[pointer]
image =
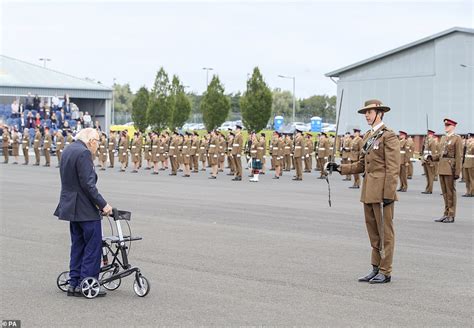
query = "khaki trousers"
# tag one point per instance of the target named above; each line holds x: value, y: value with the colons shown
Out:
x: 238, y: 165
x: 299, y: 167
x: 448, y: 187
x: 469, y: 178
x: 430, y: 174
x: 26, y: 155
x: 346, y: 161
x: 321, y: 162
x: 47, y: 156
x: 410, y: 169
x: 308, y: 165
x: 111, y: 158
x: 5, y: 154
x: 174, y: 164
x: 403, y: 177
x: 37, y: 155
x: 373, y: 222
x: 287, y: 162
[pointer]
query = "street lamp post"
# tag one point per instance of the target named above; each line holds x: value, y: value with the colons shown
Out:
x: 44, y: 60
x: 207, y: 69
x: 113, y: 102
x: 294, y: 97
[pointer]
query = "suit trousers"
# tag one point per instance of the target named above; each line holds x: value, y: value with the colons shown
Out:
x: 403, y: 176
x: 86, y: 250
x: 373, y: 221
x: 448, y: 188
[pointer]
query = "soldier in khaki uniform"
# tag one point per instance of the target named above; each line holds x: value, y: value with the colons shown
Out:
x: 410, y: 151
x: 202, y: 151
x: 271, y: 145
x: 356, y: 148
x: 163, y: 149
x: 102, y: 151
x: 323, y: 153
x: 147, y: 150
x: 36, y: 146
x: 450, y: 163
x: 186, y: 153
x: 278, y: 152
x: 429, y: 148
x: 194, y: 164
x: 112, y: 143
x: 47, y: 143
x: 15, y: 145
x: 298, y: 155
x: 135, y: 151
x: 468, y: 166
x: 222, y: 147
x: 404, y: 160
x: 380, y: 162
x: 123, y: 150
x: 287, y: 153
x: 230, y: 159
x: 69, y: 138
x: 25, y: 144
x: 436, y: 152
x: 154, y: 153
x: 59, y: 146
x: 173, y: 153
x: 308, y: 153
x: 237, y: 152
x: 5, y: 143
x: 346, y: 152
x: 213, y: 154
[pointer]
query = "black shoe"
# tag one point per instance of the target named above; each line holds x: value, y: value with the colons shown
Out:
x: 237, y: 179
x: 262, y: 173
x: 36, y: 164
x: 155, y: 173
x: 426, y: 192
x: 380, y: 279
x: 74, y: 291
x: 186, y: 176
x: 449, y: 219
x: 15, y: 163
x: 321, y: 177
x: 354, y: 187
x: 172, y: 174
x: 372, y: 274
x: 441, y: 219
x: 409, y: 178
x: 24, y: 164
x: 230, y: 174
x: 110, y: 167
x: 275, y: 177
x: 134, y: 171
x: 102, y: 168
x: 467, y: 195
x: 147, y: 168
x: 212, y: 177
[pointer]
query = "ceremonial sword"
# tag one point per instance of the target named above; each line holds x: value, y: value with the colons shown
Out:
x: 333, y: 156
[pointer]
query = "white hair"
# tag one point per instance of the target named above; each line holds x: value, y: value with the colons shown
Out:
x: 87, y: 134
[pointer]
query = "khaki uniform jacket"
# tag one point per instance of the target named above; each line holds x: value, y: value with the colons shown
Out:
x: 469, y: 157
x: 346, y: 148
x: 281, y: 149
x: 253, y: 149
x: 299, y: 147
x: 103, y: 150
x: 237, y: 145
x: 37, y: 141
x: 25, y: 143
x: 410, y: 148
x: 48, y: 140
x: 261, y: 150
x: 154, y: 146
x: 273, y: 148
x: 202, y: 149
x: 288, y: 145
x: 214, y: 146
x: 186, y: 150
x: 69, y: 139
x: 431, y: 148
x: 173, y: 148
x: 59, y: 143
x: 6, y: 139
x: 450, y: 155
x: 194, y: 147
x: 111, y: 143
x: 381, y: 166
x: 308, y: 148
x: 15, y: 143
x: 403, y: 152
x: 323, y: 148
x: 356, y: 147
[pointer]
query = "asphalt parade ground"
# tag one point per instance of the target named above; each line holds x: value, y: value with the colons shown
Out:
x: 225, y: 253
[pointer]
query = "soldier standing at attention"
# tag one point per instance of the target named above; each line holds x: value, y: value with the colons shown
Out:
x: 356, y: 148
x: 135, y: 151
x: 298, y: 155
x: 173, y: 153
x: 123, y: 150
x: 15, y: 145
x: 163, y: 148
x: 25, y: 142
x: 102, y: 151
x: 323, y: 153
x: 346, y: 152
x: 380, y: 163
x: 468, y: 166
x: 213, y: 154
x: 194, y: 152
x: 69, y: 138
x: 186, y: 155
x: 5, y: 143
x: 59, y: 146
x: 147, y: 151
x: 410, y: 151
x: 222, y: 146
x: 237, y: 152
x: 404, y: 160
x: 429, y: 148
x: 37, y: 145
x: 450, y: 162
x: 287, y: 153
x: 230, y: 159
x: 262, y: 150
x: 47, y: 142
x: 308, y: 153
x: 253, y: 144
x: 155, y: 155
x: 278, y: 152
x: 202, y: 151
x: 112, y: 143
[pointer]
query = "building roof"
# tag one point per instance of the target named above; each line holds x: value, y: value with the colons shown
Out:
x: 21, y: 74
x: 337, y: 72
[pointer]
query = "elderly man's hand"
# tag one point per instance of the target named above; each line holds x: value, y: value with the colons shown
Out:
x: 107, y: 209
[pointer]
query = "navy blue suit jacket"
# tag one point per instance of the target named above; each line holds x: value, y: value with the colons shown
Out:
x: 79, y: 200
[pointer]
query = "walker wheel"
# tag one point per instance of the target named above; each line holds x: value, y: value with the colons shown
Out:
x: 142, y: 287
x: 63, y: 281
x: 112, y: 285
x: 90, y: 287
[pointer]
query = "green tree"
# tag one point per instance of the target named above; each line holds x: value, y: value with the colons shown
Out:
x: 160, y: 104
x: 256, y: 102
x: 139, y: 109
x: 180, y: 104
x: 123, y: 98
x: 215, y: 105
x: 283, y: 104
x: 319, y: 105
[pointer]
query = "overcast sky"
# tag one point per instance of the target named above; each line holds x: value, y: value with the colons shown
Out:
x: 129, y: 40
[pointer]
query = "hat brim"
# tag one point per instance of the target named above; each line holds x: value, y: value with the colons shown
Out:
x: 380, y: 108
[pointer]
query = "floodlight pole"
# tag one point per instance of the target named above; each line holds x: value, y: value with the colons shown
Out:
x: 294, y: 97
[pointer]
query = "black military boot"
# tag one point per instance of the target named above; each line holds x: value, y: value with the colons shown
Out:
x: 441, y: 219
x: 372, y: 274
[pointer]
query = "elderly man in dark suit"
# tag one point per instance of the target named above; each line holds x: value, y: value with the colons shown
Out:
x: 80, y: 203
